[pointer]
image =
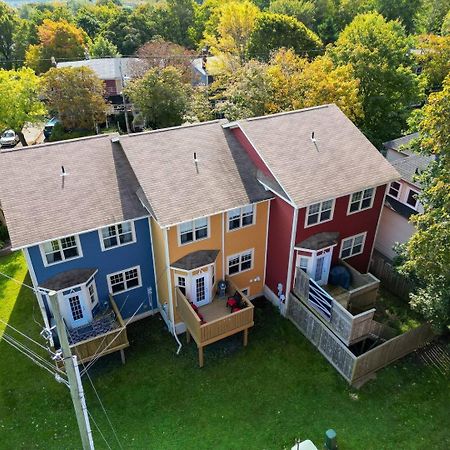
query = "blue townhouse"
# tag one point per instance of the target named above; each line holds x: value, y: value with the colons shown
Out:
x: 73, y: 208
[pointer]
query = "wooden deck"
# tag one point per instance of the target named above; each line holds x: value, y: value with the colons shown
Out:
x: 220, y: 322
x: 104, y: 343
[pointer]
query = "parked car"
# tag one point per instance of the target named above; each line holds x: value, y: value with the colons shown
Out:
x: 49, y: 127
x: 9, y: 139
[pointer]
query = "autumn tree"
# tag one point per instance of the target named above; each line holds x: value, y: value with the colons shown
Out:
x: 60, y: 40
x: 19, y: 100
x: 302, y: 10
x: 161, y: 96
x: 378, y: 52
x: 76, y: 96
x: 273, y: 31
x: 427, y: 252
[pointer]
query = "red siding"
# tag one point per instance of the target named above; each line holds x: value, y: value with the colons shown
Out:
x: 259, y: 163
x: 110, y: 86
x: 348, y: 226
x: 279, y: 242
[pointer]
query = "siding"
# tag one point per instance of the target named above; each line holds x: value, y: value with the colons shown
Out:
x: 161, y: 264
x: 114, y: 260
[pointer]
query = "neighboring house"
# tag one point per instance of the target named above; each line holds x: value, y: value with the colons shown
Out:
x: 2, y: 215
x: 72, y: 208
x: 209, y: 213
x: 329, y: 182
x: 401, y: 200
x: 200, y: 73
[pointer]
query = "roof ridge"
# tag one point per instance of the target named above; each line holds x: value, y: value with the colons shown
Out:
x: 284, y: 113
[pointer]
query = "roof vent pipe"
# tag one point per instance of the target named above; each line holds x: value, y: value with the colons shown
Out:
x: 63, y: 171
x: 196, y: 161
x: 313, y: 139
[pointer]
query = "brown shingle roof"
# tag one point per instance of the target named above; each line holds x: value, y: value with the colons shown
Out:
x: 163, y: 161
x: 39, y: 204
x: 341, y: 161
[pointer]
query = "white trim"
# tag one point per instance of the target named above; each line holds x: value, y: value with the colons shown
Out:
x: 223, y: 245
x: 287, y: 288
x: 268, y: 188
x: 122, y: 272
x: 169, y: 283
x: 417, y: 199
x: 89, y: 283
x: 149, y: 220
x: 78, y: 233
x: 142, y: 315
x: 133, y: 235
x: 44, y: 257
x: 271, y: 296
x: 267, y: 242
x: 265, y: 163
x: 239, y: 255
x: 240, y: 227
x: 364, y: 234
x: 372, y: 200
x: 398, y: 192
x: 246, y: 289
x: 192, y: 270
x: 333, y: 204
x: 208, y: 231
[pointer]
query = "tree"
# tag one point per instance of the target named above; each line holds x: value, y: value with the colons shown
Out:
x: 161, y: 96
x: 302, y: 10
x: 431, y: 15
x: 445, y: 29
x: 405, y: 11
x: 434, y: 58
x: 235, y: 23
x: 60, y: 40
x: 378, y: 53
x: 426, y: 253
x: 273, y: 31
x: 19, y: 100
x: 8, y: 25
x: 76, y: 96
x: 102, y: 48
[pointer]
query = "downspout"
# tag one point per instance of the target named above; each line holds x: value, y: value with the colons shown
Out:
x: 169, y: 284
x: 291, y: 258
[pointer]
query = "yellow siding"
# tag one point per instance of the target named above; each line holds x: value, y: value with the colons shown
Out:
x: 160, y: 261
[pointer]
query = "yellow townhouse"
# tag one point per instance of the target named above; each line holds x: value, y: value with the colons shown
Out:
x: 209, y: 223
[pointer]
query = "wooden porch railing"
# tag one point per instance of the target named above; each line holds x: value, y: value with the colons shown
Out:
x: 218, y: 329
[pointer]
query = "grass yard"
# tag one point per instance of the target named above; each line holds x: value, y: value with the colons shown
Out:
x: 263, y: 397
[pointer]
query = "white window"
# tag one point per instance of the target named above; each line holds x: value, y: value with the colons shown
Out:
x: 303, y: 263
x: 117, y: 235
x: 75, y: 307
x: 92, y: 290
x: 361, y: 200
x: 394, y: 189
x: 412, y: 200
x: 240, y: 263
x: 125, y: 280
x: 352, y: 246
x: 181, y: 283
x: 241, y: 217
x: 193, y: 231
x: 319, y: 212
x: 61, y: 250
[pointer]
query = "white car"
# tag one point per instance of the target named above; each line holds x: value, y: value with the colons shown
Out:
x: 9, y: 139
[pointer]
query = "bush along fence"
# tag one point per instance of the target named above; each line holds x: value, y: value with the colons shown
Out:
x: 357, y: 360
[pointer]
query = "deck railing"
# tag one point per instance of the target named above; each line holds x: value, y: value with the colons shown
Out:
x: 105, y: 343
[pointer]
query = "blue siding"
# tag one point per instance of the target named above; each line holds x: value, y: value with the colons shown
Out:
x: 113, y: 260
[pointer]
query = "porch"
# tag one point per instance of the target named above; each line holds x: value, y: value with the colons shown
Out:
x: 218, y: 321
x: 106, y: 334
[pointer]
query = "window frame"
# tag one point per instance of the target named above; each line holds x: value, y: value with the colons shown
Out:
x: 363, y: 244
x: 208, y: 229
x: 333, y: 204
x: 240, y: 255
x: 374, y: 192
x: 116, y: 225
x: 417, y: 200
x: 95, y: 293
x: 241, y: 216
x: 122, y: 272
x: 64, y: 259
x: 391, y: 187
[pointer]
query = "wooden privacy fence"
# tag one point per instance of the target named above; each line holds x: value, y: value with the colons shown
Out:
x: 395, y: 282
x: 355, y: 369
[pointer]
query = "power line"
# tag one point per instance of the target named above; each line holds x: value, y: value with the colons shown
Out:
x: 39, y: 290
x: 98, y: 429
x: 24, y: 335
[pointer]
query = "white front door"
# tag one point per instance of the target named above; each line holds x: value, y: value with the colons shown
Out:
x: 322, y: 268
x: 200, y: 289
x: 77, y: 313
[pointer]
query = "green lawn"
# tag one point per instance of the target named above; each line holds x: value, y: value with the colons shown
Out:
x: 263, y: 397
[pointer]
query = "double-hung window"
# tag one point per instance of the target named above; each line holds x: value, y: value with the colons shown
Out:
x: 361, y: 200
x: 241, y: 262
x: 412, y: 200
x: 92, y: 290
x: 60, y: 250
x: 193, y: 231
x: 319, y: 212
x: 117, y: 235
x: 394, y: 189
x: 241, y: 217
x: 124, y: 280
x: 352, y: 246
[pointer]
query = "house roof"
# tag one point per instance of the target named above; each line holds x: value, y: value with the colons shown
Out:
x: 68, y: 279
x: 319, y: 240
x: 396, y: 144
x: 179, y: 190
x: 108, y: 68
x: 40, y: 204
x: 196, y: 259
x: 411, y: 165
x: 341, y: 161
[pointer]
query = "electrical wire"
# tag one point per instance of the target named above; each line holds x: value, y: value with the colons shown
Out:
x: 98, y: 429
x: 40, y: 290
x: 26, y: 336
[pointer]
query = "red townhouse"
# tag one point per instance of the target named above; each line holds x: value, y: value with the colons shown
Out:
x: 329, y: 183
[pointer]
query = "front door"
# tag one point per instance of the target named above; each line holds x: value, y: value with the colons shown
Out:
x: 77, y: 313
x: 322, y: 269
x: 200, y: 289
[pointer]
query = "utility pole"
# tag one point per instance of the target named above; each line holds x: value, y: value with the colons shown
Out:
x: 73, y: 376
